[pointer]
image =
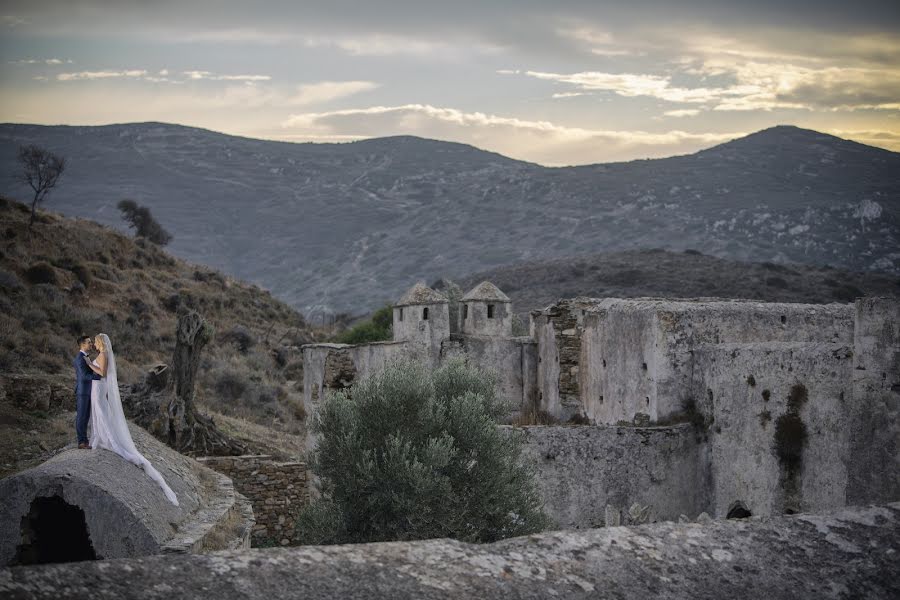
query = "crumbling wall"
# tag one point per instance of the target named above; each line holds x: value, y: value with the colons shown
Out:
x: 277, y: 491
x: 587, y: 474
x: 774, y: 416
x: 557, y: 330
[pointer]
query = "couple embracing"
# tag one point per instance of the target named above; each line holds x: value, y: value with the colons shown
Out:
x: 97, y: 399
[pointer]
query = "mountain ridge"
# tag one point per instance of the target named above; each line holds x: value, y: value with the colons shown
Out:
x: 344, y: 227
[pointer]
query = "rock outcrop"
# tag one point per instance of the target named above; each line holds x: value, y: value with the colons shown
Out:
x: 847, y: 554
x: 85, y: 504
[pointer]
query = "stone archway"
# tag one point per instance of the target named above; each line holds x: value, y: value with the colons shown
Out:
x: 738, y: 510
x: 53, y: 531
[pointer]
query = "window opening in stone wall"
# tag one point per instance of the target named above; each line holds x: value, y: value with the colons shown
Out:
x: 53, y: 531
x: 400, y: 318
x: 465, y: 311
x: 783, y: 319
x: 425, y: 314
x: 490, y: 311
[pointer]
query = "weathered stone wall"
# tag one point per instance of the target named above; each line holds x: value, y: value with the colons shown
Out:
x: 847, y: 554
x: 874, y: 416
x: 636, y: 356
x: 775, y: 417
x: 277, y: 491
x: 618, y: 360
x: 587, y: 474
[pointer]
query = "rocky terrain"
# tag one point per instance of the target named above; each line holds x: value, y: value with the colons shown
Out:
x: 667, y: 274
x: 346, y: 227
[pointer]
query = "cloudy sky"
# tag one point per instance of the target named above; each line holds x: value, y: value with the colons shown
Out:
x: 555, y: 82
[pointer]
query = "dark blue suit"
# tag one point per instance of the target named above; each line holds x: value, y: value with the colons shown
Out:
x: 83, y: 378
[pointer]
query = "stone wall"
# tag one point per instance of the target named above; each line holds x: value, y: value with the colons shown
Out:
x: 775, y: 416
x: 588, y: 474
x: 874, y: 417
x: 277, y: 491
x: 847, y: 554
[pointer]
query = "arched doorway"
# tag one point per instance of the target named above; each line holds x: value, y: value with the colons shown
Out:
x: 53, y: 531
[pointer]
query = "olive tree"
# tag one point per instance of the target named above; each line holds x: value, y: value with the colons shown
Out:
x: 41, y: 170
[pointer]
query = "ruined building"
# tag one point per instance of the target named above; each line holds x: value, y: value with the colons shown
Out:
x: 729, y: 407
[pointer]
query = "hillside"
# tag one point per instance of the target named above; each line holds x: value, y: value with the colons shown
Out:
x: 69, y: 277
x: 688, y: 274
x: 346, y: 227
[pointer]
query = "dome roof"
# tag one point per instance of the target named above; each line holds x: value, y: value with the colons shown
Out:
x: 421, y: 294
x: 486, y: 292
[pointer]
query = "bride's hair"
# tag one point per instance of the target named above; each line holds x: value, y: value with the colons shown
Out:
x: 100, y: 341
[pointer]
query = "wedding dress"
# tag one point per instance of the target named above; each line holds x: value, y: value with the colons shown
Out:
x: 108, y: 427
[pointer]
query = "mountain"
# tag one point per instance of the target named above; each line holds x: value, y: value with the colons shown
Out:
x: 665, y: 274
x: 346, y: 227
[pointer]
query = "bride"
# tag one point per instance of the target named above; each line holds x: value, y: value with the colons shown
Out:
x: 108, y: 427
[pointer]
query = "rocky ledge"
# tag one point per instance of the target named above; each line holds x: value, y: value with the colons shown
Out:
x: 851, y: 553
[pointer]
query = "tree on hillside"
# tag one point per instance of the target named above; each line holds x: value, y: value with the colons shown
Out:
x: 376, y: 329
x: 41, y: 170
x: 410, y: 453
x: 143, y: 223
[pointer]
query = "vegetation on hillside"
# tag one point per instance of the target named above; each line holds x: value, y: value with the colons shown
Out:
x: 70, y: 277
x: 377, y: 328
x: 687, y: 274
x: 410, y: 453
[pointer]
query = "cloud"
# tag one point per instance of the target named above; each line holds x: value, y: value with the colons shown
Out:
x: 38, y: 61
x: 326, y: 91
x: 89, y: 75
x: 198, y: 75
x: 682, y: 112
x: 538, y: 141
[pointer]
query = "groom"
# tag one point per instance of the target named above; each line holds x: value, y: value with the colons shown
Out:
x: 83, y: 378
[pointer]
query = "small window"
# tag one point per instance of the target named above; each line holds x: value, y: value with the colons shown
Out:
x: 465, y: 311
x: 490, y: 311
x: 425, y: 314
x: 400, y: 318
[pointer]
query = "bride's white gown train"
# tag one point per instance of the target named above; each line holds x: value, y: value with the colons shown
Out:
x: 109, y: 429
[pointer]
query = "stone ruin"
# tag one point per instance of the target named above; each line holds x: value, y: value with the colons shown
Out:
x: 85, y: 505
x: 724, y: 407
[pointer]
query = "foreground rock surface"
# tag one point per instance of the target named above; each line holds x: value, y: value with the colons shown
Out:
x: 852, y: 553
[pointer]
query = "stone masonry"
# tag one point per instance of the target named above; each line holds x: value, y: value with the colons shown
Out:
x: 277, y: 491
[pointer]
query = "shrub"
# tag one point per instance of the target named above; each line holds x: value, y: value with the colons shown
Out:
x: 230, y: 386
x: 376, y: 329
x: 416, y: 454
x: 239, y: 336
x: 82, y: 273
x: 9, y: 282
x: 41, y: 273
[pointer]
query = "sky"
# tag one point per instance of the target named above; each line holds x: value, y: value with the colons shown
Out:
x: 554, y: 82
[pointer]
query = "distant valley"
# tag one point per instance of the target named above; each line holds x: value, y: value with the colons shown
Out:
x: 347, y: 227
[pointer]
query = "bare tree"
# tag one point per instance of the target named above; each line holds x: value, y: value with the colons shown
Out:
x: 41, y: 170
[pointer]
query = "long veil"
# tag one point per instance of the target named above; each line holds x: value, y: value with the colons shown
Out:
x: 119, y: 428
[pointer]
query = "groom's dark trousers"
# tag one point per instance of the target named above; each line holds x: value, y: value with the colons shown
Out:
x: 83, y: 378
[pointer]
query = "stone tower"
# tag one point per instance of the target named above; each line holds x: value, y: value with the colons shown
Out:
x: 422, y: 318
x: 486, y: 310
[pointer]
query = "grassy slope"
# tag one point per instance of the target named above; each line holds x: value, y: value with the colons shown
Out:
x: 251, y: 371
x: 687, y: 274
